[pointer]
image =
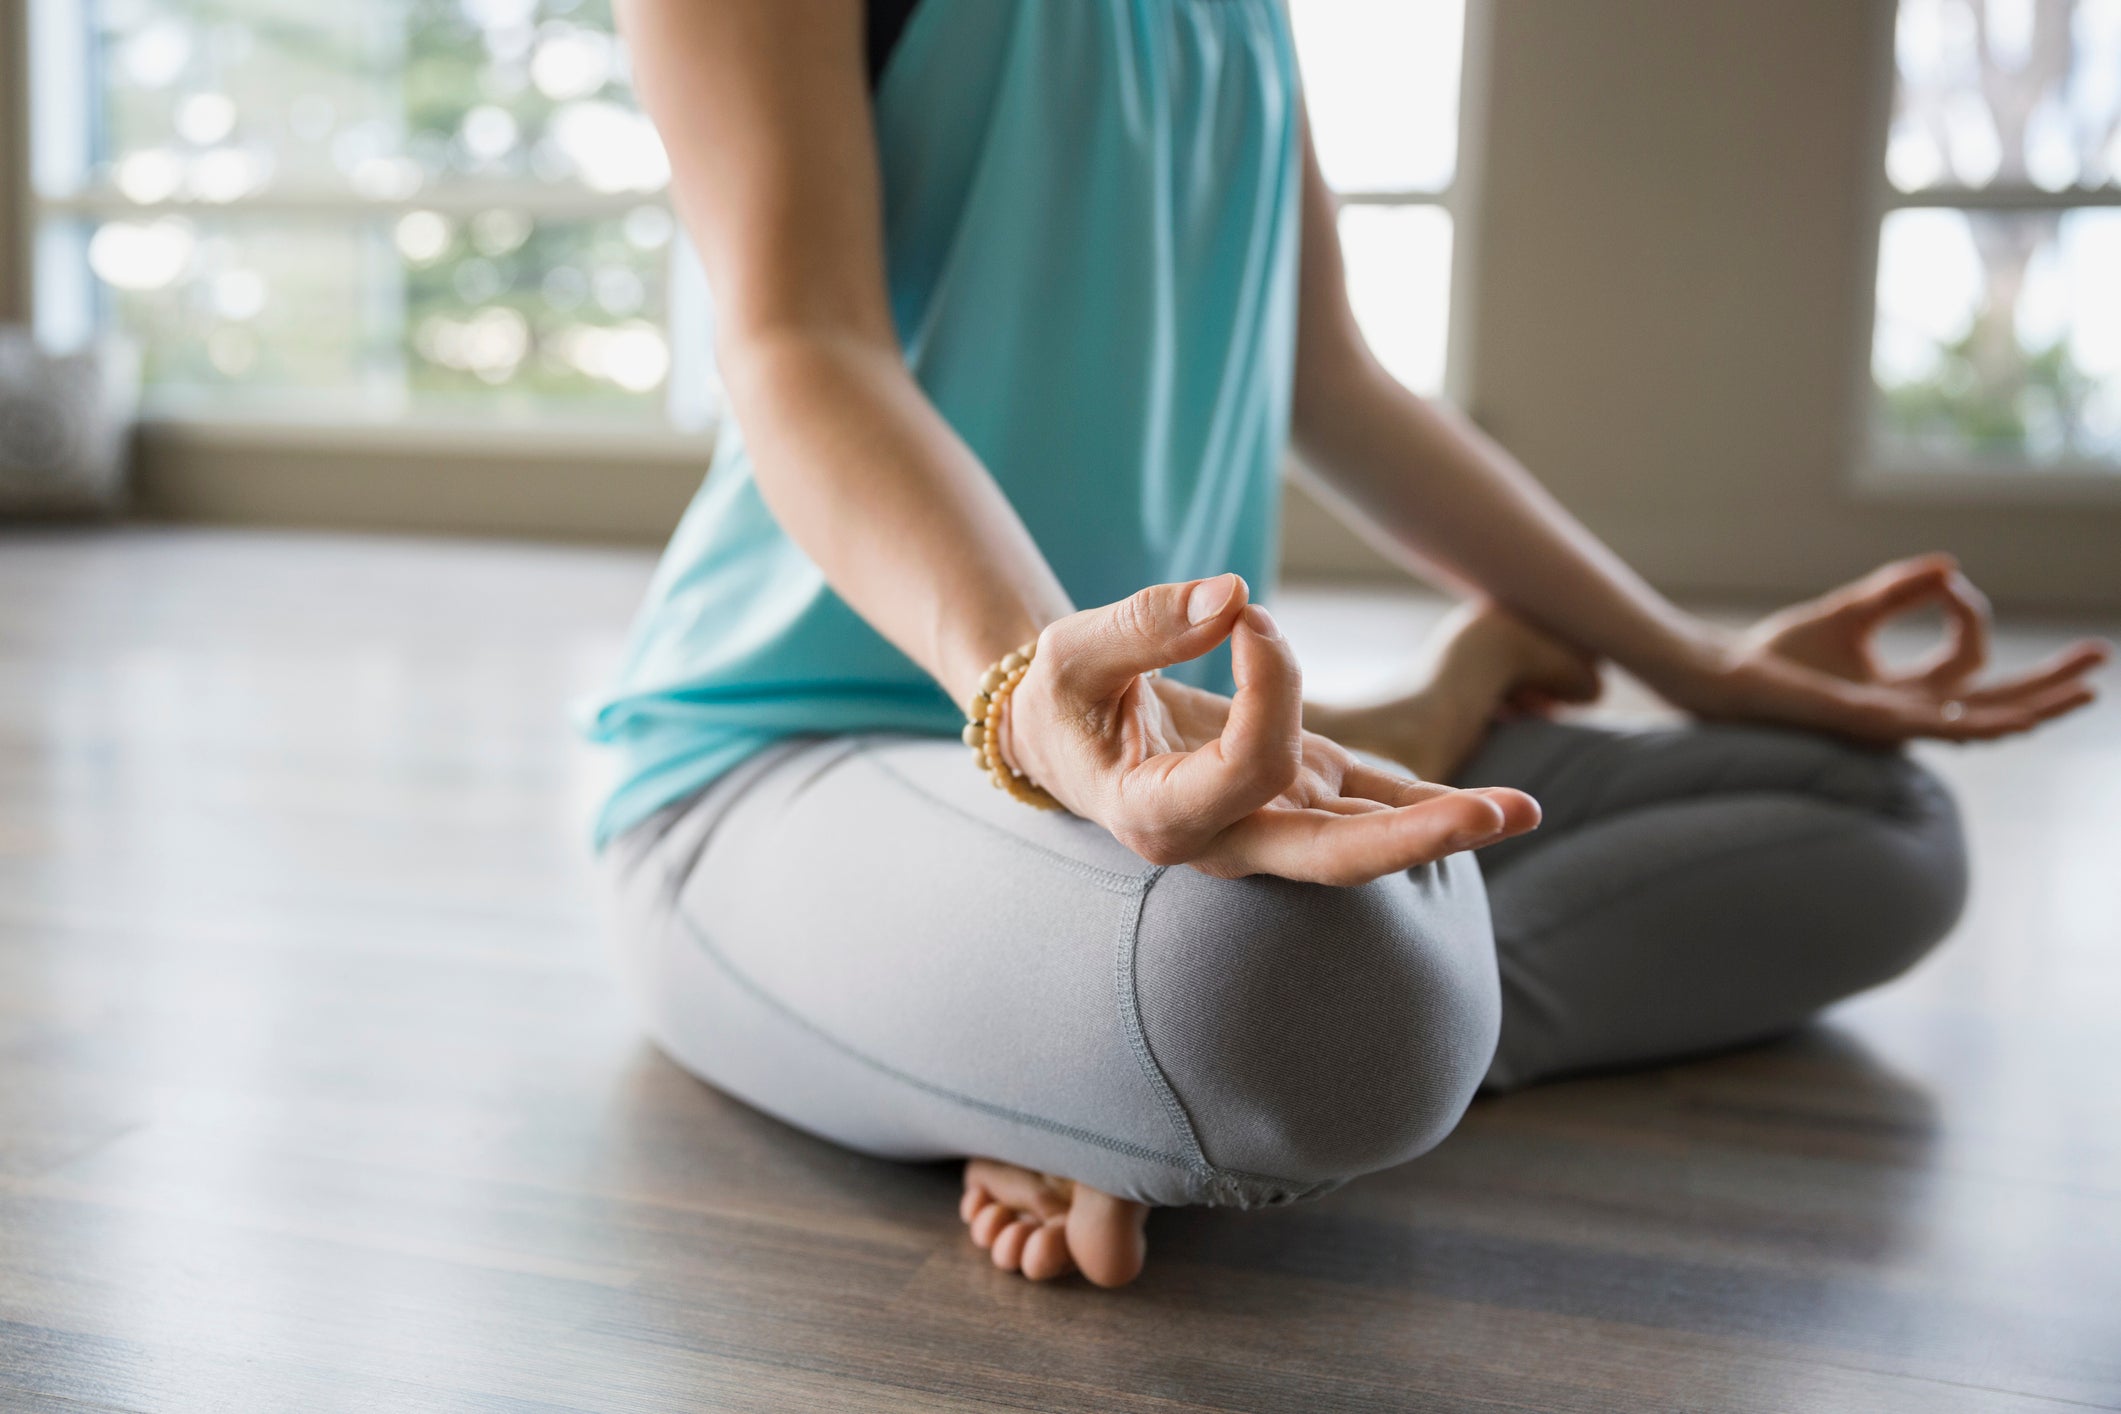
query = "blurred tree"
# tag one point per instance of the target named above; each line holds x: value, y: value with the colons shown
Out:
x: 1988, y: 389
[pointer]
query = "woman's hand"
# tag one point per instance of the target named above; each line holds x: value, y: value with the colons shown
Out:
x: 1816, y: 665
x: 1230, y: 785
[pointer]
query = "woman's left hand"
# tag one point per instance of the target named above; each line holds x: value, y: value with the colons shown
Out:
x: 1817, y: 665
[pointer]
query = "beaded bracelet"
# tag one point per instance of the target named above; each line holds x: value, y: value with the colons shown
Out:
x: 995, y: 685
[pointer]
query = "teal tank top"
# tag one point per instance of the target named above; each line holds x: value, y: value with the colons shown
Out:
x: 1091, y: 212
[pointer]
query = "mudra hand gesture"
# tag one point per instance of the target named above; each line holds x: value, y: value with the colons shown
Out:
x: 1231, y: 785
x: 1817, y: 664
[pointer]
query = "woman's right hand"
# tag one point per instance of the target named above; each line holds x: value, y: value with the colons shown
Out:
x: 1231, y: 785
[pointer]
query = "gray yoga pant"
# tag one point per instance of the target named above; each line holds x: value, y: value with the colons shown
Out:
x: 861, y: 936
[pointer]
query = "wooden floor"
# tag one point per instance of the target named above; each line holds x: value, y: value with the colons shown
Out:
x: 314, y: 1094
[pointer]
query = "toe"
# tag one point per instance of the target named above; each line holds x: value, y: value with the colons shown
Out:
x: 1008, y: 1249
x: 989, y: 1223
x: 1046, y: 1252
x: 1106, y: 1236
x: 1047, y: 1227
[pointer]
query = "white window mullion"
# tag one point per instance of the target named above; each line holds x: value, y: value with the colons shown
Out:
x: 60, y: 143
x: 64, y: 307
x: 2005, y: 198
x: 695, y: 392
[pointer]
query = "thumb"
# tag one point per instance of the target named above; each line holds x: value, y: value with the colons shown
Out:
x: 1099, y: 651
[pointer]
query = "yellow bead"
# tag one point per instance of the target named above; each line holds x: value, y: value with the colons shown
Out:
x: 985, y: 710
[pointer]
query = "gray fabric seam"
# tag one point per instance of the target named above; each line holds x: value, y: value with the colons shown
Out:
x: 1166, y: 1092
x: 1053, y: 1126
x: 1125, y: 987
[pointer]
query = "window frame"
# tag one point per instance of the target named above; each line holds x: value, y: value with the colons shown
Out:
x: 1874, y: 473
x: 17, y: 279
x: 1457, y: 198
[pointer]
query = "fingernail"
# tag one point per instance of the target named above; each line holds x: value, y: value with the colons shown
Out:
x: 1210, y: 597
x: 1261, y: 622
x: 1538, y: 811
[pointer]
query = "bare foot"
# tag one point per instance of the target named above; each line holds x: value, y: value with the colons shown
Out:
x: 1533, y: 670
x: 1046, y: 1227
x: 1483, y: 662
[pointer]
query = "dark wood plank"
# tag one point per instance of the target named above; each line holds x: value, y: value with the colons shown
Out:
x: 314, y: 1093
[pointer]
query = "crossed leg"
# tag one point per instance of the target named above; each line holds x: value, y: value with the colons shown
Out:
x: 1690, y: 889
x: 860, y: 937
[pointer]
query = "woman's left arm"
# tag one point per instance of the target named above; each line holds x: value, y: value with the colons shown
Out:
x: 1445, y: 500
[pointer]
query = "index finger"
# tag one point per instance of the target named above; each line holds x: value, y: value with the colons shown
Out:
x: 1965, y: 650
x: 1255, y: 759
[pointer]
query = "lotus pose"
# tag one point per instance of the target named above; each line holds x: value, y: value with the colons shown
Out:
x: 1019, y: 307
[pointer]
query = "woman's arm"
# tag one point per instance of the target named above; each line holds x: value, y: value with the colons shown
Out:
x: 763, y: 106
x: 764, y: 110
x: 1440, y: 496
x: 1434, y: 491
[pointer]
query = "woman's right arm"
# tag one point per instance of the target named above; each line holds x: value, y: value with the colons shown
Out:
x: 763, y: 107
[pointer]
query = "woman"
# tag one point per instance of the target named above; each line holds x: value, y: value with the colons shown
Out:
x: 1019, y: 307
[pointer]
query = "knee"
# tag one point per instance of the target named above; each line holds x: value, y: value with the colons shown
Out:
x: 1911, y: 863
x: 1310, y: 1033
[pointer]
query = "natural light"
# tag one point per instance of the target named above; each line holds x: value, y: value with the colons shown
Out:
x: 453, y: 208
x: 1998, y: 340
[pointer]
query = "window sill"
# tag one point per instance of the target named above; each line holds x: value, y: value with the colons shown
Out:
x: 429, y: 436
x: 565, y: 481
x: 1970, y: 481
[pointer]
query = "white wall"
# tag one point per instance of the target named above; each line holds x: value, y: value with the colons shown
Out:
x: 1671, y: 240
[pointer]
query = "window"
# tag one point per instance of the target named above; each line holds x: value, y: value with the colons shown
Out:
x: 1381, y: 83
x: 1997, y: 342
x: 453, y: 210
x: 390, y: 208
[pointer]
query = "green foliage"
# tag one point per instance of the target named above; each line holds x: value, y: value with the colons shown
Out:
x: 1957, y: 409
x: 346, y: 312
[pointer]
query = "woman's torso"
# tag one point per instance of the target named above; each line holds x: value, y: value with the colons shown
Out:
x: 1091, y: 216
